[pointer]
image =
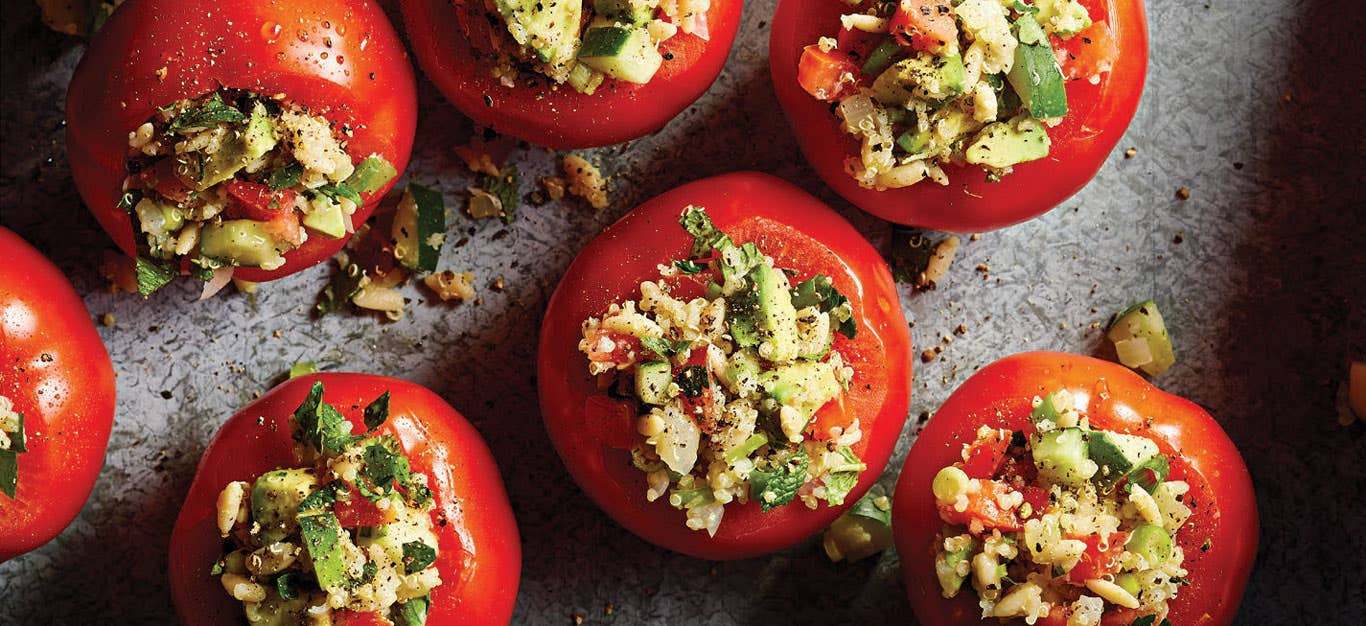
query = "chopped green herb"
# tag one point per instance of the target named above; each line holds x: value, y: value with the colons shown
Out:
x: 286, y: 177
x: 693, y: 380
x: 820, y: 292
x: 207, y: 115
x: 320, y: 499
x: 153, y: 275
x: 417, y: 556
x: 413, y: 612
x: 778, y: 485
x: 377, y: 412
x: 911, y: 251
x: 371, y: 174
x: 345, y: 284
x: 320, y: 425
x: 506, y: 186
x: 385, y: 466
x: 705, y: 236
x: 1149, y: 474
x: 367, y: 573
x: 874, y: 505
x: 843, y: 478
x: 303, y: 368
x: 690, y: 267
x: 340, y: 190
x: 663, y: 347
x: 287, y: 584
x: 431, y: 226
x: 9, y: 472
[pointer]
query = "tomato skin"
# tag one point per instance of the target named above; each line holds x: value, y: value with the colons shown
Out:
x: 1114, y: 398
x: 1098, y: 117
x: 797, y: 231
x: 562, y: 118
x: 56, y: 371
x: 479, y: 550
x: 199, y: 47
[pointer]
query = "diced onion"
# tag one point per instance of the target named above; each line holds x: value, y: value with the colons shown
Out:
x: 221, y: 277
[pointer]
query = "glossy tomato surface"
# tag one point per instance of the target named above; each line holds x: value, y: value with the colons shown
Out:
x: 556, y: 116
x: 56, y: 371
x: 341, y: 59
x: 479, y: 551
x: 1114, y: 398
x: 1097, y: 117
x: 799, y: 232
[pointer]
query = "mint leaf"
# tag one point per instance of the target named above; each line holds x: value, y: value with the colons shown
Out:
x: 690, y: 267
x: 778, y: 485
x: 320, y: 425
x: 207, y: 115
x: 286, y: 177
x: 842, y: 479
x: 693, y: 380
x: 417, y: 556
x: 153, y: 275
x: 874, y: 505
x: 705, y: 236
x: 377, y: 412
x: 507, y: 187
x: 819, y: 292
x: 414, y: 611
x: 663, y: 347
x: 385, y: 467
x: 321, y: 499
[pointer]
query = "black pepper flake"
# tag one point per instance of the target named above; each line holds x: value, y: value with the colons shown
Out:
x: 488, y: 100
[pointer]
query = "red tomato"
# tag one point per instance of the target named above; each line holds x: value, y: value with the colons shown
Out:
x: 826, y: 75
x: 56, y: 372
x: 341, y: 59
x: 556, y: 116
x: 256, y: 201
x: 352, y: 618
x: 982, y: 513
x: 799, y: 232
x: 1089, y: 53
x: 986, y: 455
x: 612, y: 421
x: 1219, y: 539
x: 356, y: 511
x: 479, y: 551
x: 924, y: 24
x: 1097, y: 118
x: 1098, y: 560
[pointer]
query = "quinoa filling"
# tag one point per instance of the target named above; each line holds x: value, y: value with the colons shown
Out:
x: 236, y: 179
x: 580, y: 43
x: 928, y: 83
x: 12, y: 443
x: 349, y: 531
x: 1062, y: 521
x: 737, y: 393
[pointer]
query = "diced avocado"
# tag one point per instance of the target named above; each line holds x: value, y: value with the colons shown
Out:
x: 1061, y: 457
x: 276, y: 611
x: 924, y: 77
x: 637, y: 12
x: 547, y: 28
x: 1116, y: 455
x: 882, y: 57
x: 330, y: 220
x: 741, y: 373
x: 855, y: 537
x: 1036, y: 77
x: 1063, y: 18
x: 914, y: 141
x: 1140, y: 338
x: 1128, y: 581
x: 776, y: 319
x: 805, y: 385
x: 419, y: 228
x: 275, y: 499
x: 652, y: 382
x: 946, y: 567
x: 240, y: 242
x: 1002, y: 144
x: 326, y: 543
x: 624, y: 53
x: 239, y: 149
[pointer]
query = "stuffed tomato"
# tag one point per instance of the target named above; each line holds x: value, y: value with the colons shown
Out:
x: 726, y: 369
x: 56, y: 399
x: 346, y: 499
x: 1061, y: 489
x: 963, y: 116
x: 242, y: 139
x: 576, y: 73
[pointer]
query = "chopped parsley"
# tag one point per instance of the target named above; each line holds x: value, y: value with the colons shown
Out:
x: 417, y: 556
x: 213, y: 112
x: 665, y: 348
x: 377, y: 412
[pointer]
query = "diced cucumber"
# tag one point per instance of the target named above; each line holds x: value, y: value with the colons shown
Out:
x: 584, y: 80
x: 1151, y: 542
x: 855, y: 537
x: 755, y: 441
x: 1035, y: 75
x: 371, y: 174
x: 1140, y: 338
x: 419, y: 228
x: 1061, y: 457
x: 241, y: 242
x: 1117, y: 455
x: 1051, y: 407
x: 1003, y: 144
x: 652, y: 382
x: 624, y: 53
x: 329, y: 220
x: 275, y: 498
x: 625, y: 11
x: 946, y: 568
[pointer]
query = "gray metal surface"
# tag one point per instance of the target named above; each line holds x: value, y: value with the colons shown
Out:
x: 1254, y: 106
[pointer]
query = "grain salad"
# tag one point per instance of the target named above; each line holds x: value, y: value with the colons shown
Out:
x: 728, y: 362
x: 348, y: 531
x: 238, y: 179
x: 1062, y: 520
x: 579, y: 43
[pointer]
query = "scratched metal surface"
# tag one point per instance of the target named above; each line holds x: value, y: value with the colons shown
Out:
x: 1255, y: 106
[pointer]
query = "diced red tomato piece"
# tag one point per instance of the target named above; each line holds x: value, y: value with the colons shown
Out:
x: 162, y: 178
x: 1098, y: 561
x: 924, y: 25
x: 856, y: 43
x: 284, y: 227
x: 1089, y: 53
x: 614, y: 419
x: 986, y: 455
x: 619, y: 348
x: 1037, y: 499
x: 356, y: 510
x: 355, y: 618
x: 983, y: 512
x: 826, y: 75
x: 834, y: 413
x: 255, y: 201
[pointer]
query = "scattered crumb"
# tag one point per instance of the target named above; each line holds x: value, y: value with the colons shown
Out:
x: 975, y: 237
x: 554, y: 187
x: 609, y: 609
x: 498, y: 284
x: 983, y: 267
x: 107, y: 319
x: 578, y: 619
x: 450, y: 285
x: 161, y: 73
x: 1129, y: 154
x: 278, y: 334
x: 927, y: 356
x: 1183, y: 193
x: 941, y: 258
x: 946, y: 339
x: 584, y: 180
x: 960, y: 330
x: 1179, y: 237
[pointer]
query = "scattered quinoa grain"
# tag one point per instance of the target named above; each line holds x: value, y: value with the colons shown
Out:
x: 107, y: 319
x: 1129, y: 154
